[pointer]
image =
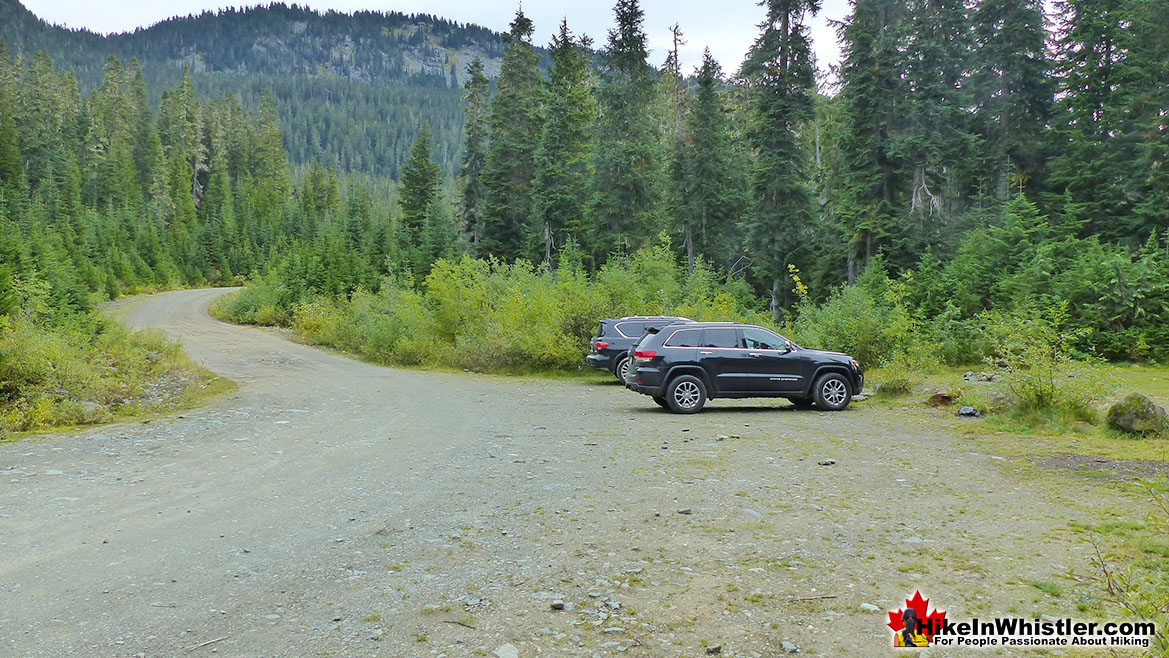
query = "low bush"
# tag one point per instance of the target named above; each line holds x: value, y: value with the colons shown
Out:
x: 1032, y: 349
x: 83, y: 371
x: 264, y: 301
x: 490, y: 316
x: 867, y: 320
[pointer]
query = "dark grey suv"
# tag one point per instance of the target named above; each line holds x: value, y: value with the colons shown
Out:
x: 609, y: 349
x: 682, y: 366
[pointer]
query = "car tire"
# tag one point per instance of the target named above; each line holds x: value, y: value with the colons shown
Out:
x: 661, y: 402
x: 621, y: 369
x: 685, y: 394
x: 832, y: 392
x: 802, y: 403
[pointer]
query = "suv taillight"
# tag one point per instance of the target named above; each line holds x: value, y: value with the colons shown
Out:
x: 600, y: 345
x: 644, y: 354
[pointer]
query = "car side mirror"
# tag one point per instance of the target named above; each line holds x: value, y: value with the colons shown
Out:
x: 788, y: 347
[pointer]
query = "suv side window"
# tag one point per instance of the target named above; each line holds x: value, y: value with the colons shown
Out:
x: 759, y: 339
x: 721, y: 338
x: 685, y: 338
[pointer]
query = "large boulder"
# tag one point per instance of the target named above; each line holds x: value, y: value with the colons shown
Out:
x: 1137, y: 414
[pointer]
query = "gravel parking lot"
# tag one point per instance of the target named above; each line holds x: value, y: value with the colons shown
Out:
x: 335, y: 508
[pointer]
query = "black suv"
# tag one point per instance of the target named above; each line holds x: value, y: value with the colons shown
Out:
x: 683, y: 365
x: 610, y: 347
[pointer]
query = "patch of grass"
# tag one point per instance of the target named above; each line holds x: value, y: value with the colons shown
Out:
x: 1050, y: 589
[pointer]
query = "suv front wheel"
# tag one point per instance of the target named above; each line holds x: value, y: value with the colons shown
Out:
x: 832, y: 392
x: 685, y: 394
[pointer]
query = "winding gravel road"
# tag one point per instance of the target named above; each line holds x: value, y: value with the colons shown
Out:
x: 335, y: 508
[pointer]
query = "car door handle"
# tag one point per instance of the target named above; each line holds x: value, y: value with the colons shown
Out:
x: 755, y: 354
x: 706, y: 352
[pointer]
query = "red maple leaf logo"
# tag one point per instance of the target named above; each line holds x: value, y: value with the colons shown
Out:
x: 931, y: 623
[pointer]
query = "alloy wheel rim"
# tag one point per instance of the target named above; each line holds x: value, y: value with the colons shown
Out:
x: 686, y: 394
x: 623, y: 369
x: 834, y: 392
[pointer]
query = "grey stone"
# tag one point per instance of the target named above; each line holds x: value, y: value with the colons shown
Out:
x: 1137, y: 414
x: 716, y: 649
x: 827, y: 462
x: 507, y: 651
x: 558, y: 604
x: 685, y: 510
x: 969, y: 412
x: 789, y: 647
x: 869, y: 607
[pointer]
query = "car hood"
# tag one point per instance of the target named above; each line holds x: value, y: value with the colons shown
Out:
x: 834, y: 356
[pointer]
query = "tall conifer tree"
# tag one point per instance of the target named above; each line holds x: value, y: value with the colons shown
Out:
x: 514, y: 136
x: 712, y: 194
x: 561, y: 189
x: 779, y: 70
x: 475, y: 151
x: 871, y: 92
x: 626, y: 154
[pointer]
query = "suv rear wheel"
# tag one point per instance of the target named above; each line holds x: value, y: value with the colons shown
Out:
x: 686, y: 394
x: 831, y: 392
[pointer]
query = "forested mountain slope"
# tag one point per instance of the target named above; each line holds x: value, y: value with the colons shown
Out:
x: 350, y: 89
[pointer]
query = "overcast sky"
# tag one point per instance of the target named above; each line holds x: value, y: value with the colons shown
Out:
x: 728, y: 26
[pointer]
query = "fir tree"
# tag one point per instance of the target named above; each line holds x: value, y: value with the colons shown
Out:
x: 515, y: 133
x: 626, y: 157
x: 937, y: 137
x: 712, y: 199
x: 871, y: 92
x: 420, y: 181
x: 1013, y: 90
x: 561, y: 189
x: 779, y: 70
x: 475, y: 152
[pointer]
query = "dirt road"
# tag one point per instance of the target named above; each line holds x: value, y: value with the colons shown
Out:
x: 334, y: 508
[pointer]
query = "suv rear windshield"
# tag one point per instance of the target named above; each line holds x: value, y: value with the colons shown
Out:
x: 631, y: 329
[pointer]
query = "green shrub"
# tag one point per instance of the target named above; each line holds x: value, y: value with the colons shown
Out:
x: 264, y: 301
x: 1032, y: 351
x: 491, y: 316
x: 83, y: 370
x: 866, y: 320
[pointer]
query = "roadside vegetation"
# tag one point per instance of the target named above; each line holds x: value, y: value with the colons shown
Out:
x: 88, y: 369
